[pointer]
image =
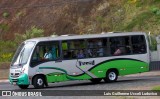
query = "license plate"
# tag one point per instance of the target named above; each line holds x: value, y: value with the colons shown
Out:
x: 14, y: 83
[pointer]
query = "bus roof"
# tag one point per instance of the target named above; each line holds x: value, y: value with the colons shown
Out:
x: 103, y: 34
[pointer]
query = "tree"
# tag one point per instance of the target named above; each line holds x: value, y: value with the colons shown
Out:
x: 31, y: 33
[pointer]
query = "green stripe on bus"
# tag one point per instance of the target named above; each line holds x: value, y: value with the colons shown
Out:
x: 124, y: 67
x: 55, y: 77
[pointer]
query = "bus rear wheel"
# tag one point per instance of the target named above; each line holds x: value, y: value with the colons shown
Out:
x: 111, y: 76
x: 38, y: 82
x: 23, y: 86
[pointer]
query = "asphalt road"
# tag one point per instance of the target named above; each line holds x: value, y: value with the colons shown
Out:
x: 123, y: 83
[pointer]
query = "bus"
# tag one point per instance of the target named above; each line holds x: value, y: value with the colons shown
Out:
x: 93, y: 57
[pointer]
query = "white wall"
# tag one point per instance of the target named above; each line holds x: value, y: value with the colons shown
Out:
x: 158, y: 47
x: 154, y: 56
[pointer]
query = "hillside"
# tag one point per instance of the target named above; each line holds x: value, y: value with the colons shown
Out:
x: 54, y: 16
x: 78, y: 16
x: 48, y: 17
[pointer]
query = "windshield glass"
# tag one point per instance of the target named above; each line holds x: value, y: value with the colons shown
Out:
x: 22, y: 54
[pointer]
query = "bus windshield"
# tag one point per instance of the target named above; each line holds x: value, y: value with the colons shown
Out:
x: 22, y: 54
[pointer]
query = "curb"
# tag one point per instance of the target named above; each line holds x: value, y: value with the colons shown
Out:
x: 4, y: 81
x: 151, y: 73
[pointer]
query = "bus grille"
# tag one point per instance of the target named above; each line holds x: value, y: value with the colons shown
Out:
x: 15, y: 80
x: 15, y: 75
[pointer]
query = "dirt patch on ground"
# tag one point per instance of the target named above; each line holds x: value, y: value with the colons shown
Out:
x: 4, y: 65
x: 4, y: 70
x: 4, y: 73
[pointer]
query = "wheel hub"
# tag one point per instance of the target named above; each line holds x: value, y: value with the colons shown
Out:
x: 112, y: 76
x: 39, y: 82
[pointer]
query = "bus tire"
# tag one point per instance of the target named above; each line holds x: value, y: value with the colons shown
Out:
x: 96, y: 80
x: 38, y: 82
x: 23, y: 86
x: 111, y: 76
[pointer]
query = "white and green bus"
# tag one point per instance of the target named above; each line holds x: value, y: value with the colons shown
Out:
x: 93, y: 57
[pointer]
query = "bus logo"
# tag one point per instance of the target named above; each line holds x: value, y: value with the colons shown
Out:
x: 86, y: 63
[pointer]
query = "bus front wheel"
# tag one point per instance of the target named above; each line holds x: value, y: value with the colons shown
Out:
x: 23, y: 86
x: 111, y: 76
x: 38, y: 82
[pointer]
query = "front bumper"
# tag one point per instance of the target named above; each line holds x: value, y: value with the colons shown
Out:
x: 21, y: 80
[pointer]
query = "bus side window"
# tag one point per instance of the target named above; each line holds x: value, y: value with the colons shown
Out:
x: 36, y: 55
x: 65, y: 54
x: 97, y: 47
x: 54, y: 52
x: 45, y: 51
x: 74, y: 53
x: 100, y: 51
x: 80, y: 54
x: 65, y: 50
x: 120, y: 45
x: 70, y: 48
x: 138, y: 44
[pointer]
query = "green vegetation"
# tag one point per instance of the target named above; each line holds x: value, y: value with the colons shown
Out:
x: 100, y: 22
x: 4, y: 27
x: 5, y: 14
x: 156, y: 88
x: 18, y: 14
x: 8, y: 48
x: 31, y: 33
x: 112, y: 15
x: 122, y: 15
x: 138, y: 21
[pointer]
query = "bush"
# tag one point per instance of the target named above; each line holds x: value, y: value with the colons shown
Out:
x: 6, y: 57
x: 5, y: 14
x: 7, y: 50
x: 4, y: 27
x: 18, y: 14
x: 138, y: 21
x: 155, y: 10
x: 100, y: 23
x: 31, y: 33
